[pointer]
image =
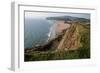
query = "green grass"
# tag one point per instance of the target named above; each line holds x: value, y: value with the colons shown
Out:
x: 81, y: 53
x: 59, y: 55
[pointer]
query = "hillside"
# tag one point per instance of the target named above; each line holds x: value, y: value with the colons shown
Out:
x: 73, y: 38
x: 73, y: 43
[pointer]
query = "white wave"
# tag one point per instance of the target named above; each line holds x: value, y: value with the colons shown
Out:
x: 52, y: 31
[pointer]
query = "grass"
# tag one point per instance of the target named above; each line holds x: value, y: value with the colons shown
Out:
x: 59, y: 55
x: 82, y: 52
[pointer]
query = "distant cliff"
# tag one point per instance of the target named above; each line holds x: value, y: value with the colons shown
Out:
x: 69, y: 18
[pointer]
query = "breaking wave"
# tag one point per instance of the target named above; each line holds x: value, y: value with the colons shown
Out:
x: 52, y: 32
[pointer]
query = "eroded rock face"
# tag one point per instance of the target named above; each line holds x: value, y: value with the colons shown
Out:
x: 57, y: 28
x: 69, y: 39
x: 61, y: 25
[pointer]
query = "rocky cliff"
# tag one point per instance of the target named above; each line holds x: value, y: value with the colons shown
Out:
x: 73, y: 43
x: 75, y: 37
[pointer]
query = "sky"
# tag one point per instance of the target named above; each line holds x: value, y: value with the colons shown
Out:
x: 49, y: 14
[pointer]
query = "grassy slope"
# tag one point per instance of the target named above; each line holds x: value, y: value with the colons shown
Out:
x: 83, y: 50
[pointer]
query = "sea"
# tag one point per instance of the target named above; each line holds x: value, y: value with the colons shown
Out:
x: 36, y: 31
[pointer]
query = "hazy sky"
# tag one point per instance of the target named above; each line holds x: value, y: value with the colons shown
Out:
x: 48, y: 14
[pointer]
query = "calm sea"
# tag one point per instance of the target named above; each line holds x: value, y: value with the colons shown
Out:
x: 35, y: 32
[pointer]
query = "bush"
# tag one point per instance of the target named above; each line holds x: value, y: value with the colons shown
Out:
x: 59, y: 55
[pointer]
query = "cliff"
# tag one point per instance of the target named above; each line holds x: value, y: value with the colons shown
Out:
x: 75, y: 37
x: 73, y: 43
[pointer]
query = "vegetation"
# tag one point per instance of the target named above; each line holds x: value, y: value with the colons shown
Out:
x: 59, y: 55
x: 81, y: 52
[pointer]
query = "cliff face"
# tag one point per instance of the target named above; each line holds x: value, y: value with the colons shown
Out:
x: 71, y: 38
x: 73, y: 43
x: 70, y: 43
x: 75, y: 37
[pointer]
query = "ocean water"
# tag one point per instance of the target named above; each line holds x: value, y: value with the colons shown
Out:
x: 36, y: 32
